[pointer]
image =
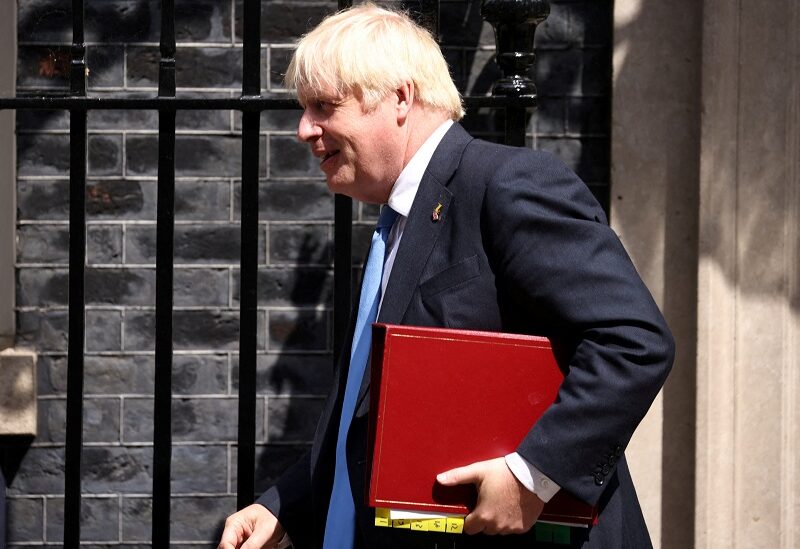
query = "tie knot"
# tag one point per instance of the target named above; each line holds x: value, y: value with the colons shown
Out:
x: 387, y: 217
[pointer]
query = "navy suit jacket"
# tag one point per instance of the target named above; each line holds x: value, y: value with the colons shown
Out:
x: 521, y: 246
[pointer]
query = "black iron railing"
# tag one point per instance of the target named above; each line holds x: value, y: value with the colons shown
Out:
x: 514, y: 21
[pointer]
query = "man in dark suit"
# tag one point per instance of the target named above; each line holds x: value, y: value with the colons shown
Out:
x: 486, y: 237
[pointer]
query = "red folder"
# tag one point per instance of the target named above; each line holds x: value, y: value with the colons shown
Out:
x: 444, y: 398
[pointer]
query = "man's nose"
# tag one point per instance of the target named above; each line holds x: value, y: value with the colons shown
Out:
x: 308, y: 129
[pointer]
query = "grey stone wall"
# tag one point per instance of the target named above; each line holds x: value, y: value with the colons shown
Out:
x: 295, y: 247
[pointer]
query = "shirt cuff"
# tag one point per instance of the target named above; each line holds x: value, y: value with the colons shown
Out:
x: 284, y: 541
x: 531, y: 477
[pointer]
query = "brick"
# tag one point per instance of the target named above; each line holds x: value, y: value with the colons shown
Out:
x: 207, y: 67
x: 43, y: 244
x: 113, y: 469
x: 198, y: 518
x: 43, y: 331
x: 549, y: 118
x: 300, y: 244
x: 44, y: 67
x: 271, y: 461
x: 284, y: 374
x: 113, y: 374
x: 592, y: 22
x: 292, y: 419
x: 137, y: 519
x: 589, y: 115
x: 200, y: 374
x: 298, y: 330
x: 100, y: 420
x: 129, y: 20
x: 558, y: 72
x: 43, y: 155
x: 51, y: 374
x: 290, y: 158
x: 104, y: 244
x: 41, y: 287
x: 112, y: 286
x: 596, y: 75
x: 137, y: 119
x: 41, y: 472
x: 199, y: 469
x: 118, y: 198
x: 105, y: 66
x: 99, y: 519
x: 286, y: 20
x: 201, y: 287
x: 25, y: 519
x: 461, y: 24
x: 280, y: 200
x: 193, y: 419
x: 278, y: 63
x: 482, y: 72
x: 202, y: 200
x: 589, y: 158
x: 298, y: 286
x: 103, y: 331
x: 105, y: 155
x: 206, y: 156
x: 192, y: 330
x: 42, y: 200
x: 488, y: 124
x: 43, y: 20
x: 280, y: 120
x: 193, y: 244
x: 554, y: 32
x: 455, y: 59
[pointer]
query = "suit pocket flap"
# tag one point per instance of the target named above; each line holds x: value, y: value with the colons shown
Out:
x: 454, y: 275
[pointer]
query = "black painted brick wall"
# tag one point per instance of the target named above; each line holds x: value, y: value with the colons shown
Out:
x: 295, y: 246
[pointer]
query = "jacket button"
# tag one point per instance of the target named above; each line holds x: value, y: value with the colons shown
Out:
x: 606, y: 469
x: 599, y: 479
x: 618, y: 451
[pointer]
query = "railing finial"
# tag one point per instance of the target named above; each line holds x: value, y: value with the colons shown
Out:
x: 514, y: 23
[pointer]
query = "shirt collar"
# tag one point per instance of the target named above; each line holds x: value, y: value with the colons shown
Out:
x: 405, y: 188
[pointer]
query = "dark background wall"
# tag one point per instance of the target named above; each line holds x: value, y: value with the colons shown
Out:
x: 295, y: 233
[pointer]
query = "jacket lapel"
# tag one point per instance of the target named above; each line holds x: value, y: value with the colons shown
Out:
x: 421, y: 231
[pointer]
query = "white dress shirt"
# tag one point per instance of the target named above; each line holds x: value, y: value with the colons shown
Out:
x: 400, y: 200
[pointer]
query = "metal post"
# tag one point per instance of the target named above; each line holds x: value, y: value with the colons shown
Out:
x: 165, y: 230
x: 248, y: 294
x: 515, y: 23
x: 77, y: 260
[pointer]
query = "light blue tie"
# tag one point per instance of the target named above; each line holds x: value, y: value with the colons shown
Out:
x: 341, y: 523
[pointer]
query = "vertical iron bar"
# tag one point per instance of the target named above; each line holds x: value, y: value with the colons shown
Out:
x: 515, y: 126
x: 165, y: 229
x: 342, y: 260
x: 342, y: 270
x: 248, y: 295
x: 77, y: 259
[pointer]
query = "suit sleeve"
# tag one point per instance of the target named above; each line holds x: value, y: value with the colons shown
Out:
x: 558, y: 262
x: 289, y: 499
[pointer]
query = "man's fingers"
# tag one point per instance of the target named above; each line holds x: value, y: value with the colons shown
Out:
x: 469, y: 474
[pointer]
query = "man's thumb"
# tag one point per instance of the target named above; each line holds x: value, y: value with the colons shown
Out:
x: 469, y: 474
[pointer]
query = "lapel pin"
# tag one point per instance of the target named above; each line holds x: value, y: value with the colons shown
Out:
x: 437, y: 212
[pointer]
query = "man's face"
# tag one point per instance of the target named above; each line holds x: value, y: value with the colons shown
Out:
x: 360, y: 152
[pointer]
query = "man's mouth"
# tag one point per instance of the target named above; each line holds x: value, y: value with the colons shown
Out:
x: 328, y: 156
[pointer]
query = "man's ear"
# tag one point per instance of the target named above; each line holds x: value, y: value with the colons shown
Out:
x: 405, y: 100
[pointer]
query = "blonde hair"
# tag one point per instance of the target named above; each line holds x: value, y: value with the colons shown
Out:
x: 368, y: 52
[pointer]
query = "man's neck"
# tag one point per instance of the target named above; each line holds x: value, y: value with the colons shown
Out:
x: 423, y: 122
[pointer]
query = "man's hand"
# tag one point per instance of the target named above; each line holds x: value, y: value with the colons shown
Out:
x: 504, y: 505
x: 254, y: 527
